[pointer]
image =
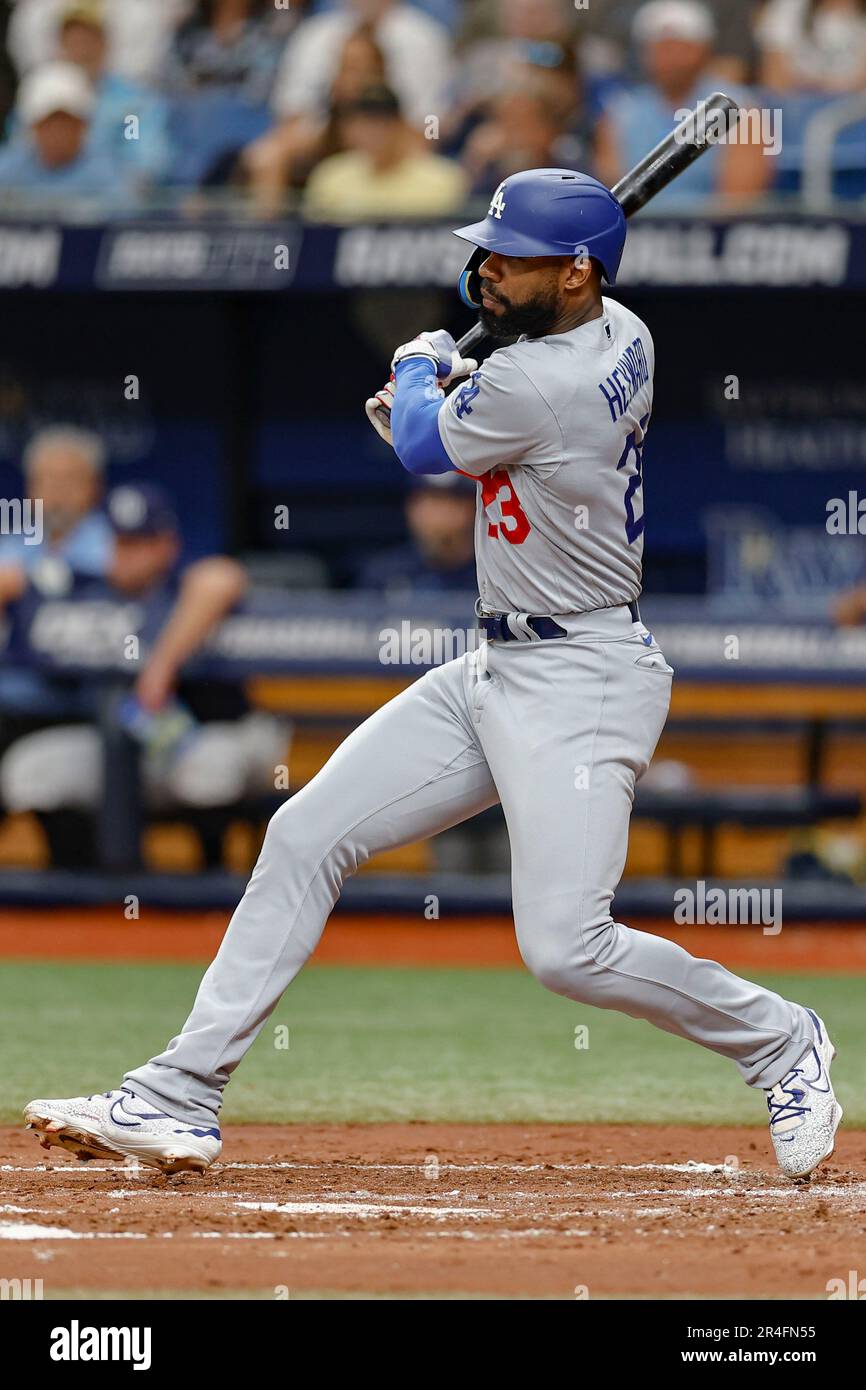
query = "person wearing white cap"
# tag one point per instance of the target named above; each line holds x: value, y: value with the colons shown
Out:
x: 83, y: 39
x: 675, y: 40
x: 813, y: 46
x: 606, y: 33
x: 48, y: 156
x: 688, y: 20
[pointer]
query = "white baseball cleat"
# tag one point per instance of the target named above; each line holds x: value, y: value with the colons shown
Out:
x: 804, y: 1112
x: 118, y: 1124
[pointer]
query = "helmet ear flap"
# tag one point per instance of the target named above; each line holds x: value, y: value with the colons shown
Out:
x: 469, y: 284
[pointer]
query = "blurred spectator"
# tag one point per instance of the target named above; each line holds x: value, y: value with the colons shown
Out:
x: 605, y: 32
x: 416, y: 49
x: 220, y: 72
x: 201, y: 744
x: 139, y: 32
x: 736, y: 53
x: 496, y: 35
x: 229, y: 45
x: 525, y: 131
x: 63, y: 470
x: 83, y: 40
x: 813, y: 45
x: 440, y: 514
x: 285, y: 155
x: 7, y: 68
x: 676, y: 44
x: 49, y: 160
x: 551, y: 122
x: 384, y: 171
x: 553, y: 68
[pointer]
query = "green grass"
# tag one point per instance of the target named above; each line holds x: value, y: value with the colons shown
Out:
x: 400, y: 1044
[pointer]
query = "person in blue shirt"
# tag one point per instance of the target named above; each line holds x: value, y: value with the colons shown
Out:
x: 129, y: 121
x: 440, y: 554
x: 49, y: 159
x: 66, y: 538
x: 676, y: 43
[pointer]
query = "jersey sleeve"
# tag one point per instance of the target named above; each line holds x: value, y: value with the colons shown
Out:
x: 498, y: 418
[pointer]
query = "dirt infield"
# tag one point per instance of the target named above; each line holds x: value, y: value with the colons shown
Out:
x: 103, y: 934
x: 504, y: 1210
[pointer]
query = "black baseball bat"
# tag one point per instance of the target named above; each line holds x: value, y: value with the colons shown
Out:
x: 676, y: 152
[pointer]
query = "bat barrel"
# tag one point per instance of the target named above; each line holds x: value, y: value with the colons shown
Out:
x: 685, y: 143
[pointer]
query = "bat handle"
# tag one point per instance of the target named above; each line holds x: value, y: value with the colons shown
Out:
x: 475, y: 335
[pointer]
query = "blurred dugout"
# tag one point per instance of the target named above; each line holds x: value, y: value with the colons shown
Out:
x: 201, y: 743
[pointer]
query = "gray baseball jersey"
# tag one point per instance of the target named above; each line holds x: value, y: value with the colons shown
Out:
x: 554, y: 428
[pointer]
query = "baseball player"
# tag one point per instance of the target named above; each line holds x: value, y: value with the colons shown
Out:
x: 556, y: 716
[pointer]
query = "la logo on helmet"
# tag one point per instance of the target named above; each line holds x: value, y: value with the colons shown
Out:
x: 497, y: 207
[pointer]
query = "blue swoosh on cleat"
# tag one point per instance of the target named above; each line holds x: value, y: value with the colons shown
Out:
x: 133, y: 1122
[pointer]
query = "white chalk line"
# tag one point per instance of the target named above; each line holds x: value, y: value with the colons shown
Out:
x: 33, y: 1233
x: 28, y: 1231
x: 45, y: 1234
x: 839, y: 1192
x: 427, y: 1203
x: 368, y: 1209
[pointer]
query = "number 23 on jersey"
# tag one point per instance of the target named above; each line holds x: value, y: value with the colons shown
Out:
x: 500, y: 500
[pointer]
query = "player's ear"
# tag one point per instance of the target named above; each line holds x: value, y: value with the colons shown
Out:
x: 580, y: 269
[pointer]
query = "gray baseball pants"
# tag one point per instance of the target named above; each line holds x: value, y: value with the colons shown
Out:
x: 558, y: 731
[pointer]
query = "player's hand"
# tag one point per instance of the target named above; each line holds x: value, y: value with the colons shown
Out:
x: 440, y: 349
x: 378, y: 410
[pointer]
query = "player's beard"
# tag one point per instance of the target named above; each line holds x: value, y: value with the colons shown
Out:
x: 535, y: 317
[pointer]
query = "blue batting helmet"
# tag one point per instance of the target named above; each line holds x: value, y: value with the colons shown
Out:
x: 546, y: 212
